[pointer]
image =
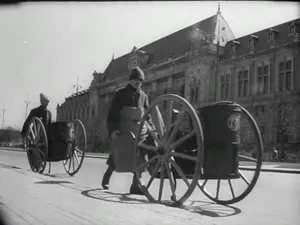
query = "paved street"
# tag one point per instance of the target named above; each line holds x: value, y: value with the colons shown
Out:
x: 30, y: 198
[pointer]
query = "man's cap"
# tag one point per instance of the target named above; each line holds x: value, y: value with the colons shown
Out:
x: 137, y: 74
x: 43, y: 97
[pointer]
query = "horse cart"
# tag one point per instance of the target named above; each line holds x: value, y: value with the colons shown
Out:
x: 216, y: 149
x: 60, y: 141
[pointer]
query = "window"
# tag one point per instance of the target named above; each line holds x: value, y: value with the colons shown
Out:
x: 270, y: 36
x: 251, y: 43
x: 285, y: 75
x: 243, y: 83
x: 225, y: 86
x: 192, y: 94
x: 182, y: 90
x: 260, y: 110
x: 233, y: 49
x: 93, y: 112
x: 263, y: 79
x: 262, y: 132
x: 292, y: 29
x: 196, y: 94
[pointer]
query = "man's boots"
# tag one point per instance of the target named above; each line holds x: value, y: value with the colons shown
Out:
x: 135, y: 188
x: 106, y: 177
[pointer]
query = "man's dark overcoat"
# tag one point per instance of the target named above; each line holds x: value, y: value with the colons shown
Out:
x: 127, y: 96
x: 40, y: 112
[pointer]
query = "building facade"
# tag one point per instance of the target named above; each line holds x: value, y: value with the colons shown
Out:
x: 252, y: 70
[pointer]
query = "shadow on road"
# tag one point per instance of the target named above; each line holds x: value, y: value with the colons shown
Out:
x: 211, y: 209
x: 103, y: 195
x: 9, y: 166
x: 199, y: 207
x: 53, y: 182
x: 57, y: 175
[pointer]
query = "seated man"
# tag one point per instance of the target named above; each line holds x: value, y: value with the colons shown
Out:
x: 131, y: 96
x: 42, y: 113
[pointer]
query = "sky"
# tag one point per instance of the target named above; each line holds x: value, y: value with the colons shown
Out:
x: 45, y: 47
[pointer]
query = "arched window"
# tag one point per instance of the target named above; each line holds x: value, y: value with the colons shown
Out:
x: 182, y: 90
x: 192, y: 94
x: 196, y: 94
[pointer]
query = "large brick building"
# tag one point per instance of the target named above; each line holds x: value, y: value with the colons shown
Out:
x: 252, y: 70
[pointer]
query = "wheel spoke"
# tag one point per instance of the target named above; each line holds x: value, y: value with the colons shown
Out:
x: 148, y: 147
x: 77, y: 159
x: 179, y: 171
x: 244, y: 178
x: 202, y: 186
x: 155, y: 171
x: 66, y: 161
x: 172, y: 182
x: 183, y: 156
x: 32, y: 133
x: 38, y: 150
x: 248, y: 158
x: 34, y: 127
x: 176, y: 127
x: 231, y: 188
x: 169, y: 115
x: 183, y: 139
x: 73, y: 162
x: 70, y: 162
x: 78, y: 150
x: 153, y: 135
x: 218, y: 189
x: 162, y: 179
x: 149, y: 161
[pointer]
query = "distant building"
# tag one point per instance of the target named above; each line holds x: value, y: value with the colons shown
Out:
x: 252, y: 70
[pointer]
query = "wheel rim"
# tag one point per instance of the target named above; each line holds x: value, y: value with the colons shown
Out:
x: 164, y: 155
x: 250, y: 159
x: 79, y: 144
x: 36, y: 145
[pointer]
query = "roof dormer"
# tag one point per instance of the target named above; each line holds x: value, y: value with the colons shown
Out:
x: 271, y: 35
x: 137, y: 58
x: 292, y: 28
x: 234, y: 46
x: 252, y: 41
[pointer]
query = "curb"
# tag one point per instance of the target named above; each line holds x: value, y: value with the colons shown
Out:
x: 274, y: 170
x: 87, y: 155
x: 105, y: 156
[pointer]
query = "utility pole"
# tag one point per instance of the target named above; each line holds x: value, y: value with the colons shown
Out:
x: 3, y: 114
x: 26, y: 110
x: 77, y: 85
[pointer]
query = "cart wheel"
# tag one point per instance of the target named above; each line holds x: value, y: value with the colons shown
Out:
x: 250, y: 161
x: 162, y: 157
x: 79, y: 144
x: 36, y: 145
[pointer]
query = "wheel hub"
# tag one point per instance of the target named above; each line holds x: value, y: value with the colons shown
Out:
x: 161, y: 151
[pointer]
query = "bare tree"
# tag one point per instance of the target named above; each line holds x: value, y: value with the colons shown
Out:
x: 283, y: 109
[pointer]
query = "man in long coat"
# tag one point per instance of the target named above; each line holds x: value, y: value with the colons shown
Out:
x: 41, y: 112
x: 131, y: 96
x: 44, y: 114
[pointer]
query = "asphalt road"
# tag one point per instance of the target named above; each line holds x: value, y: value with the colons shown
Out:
x: 30, y: 198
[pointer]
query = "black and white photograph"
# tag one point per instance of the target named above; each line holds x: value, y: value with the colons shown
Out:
x: 150, y: 112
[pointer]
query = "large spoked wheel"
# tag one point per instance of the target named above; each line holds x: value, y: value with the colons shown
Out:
x: 177, y: 140
x: 36, y: 145
x: 79, y: 145
x: 230, y: 191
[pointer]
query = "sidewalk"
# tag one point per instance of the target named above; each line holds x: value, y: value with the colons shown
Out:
x: 275, y: 167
